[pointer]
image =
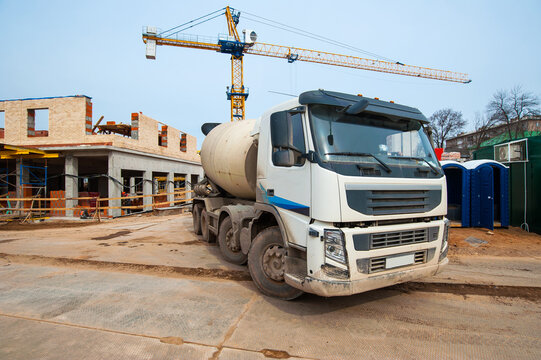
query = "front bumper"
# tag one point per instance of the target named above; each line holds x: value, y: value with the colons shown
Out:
x: 343, y: 288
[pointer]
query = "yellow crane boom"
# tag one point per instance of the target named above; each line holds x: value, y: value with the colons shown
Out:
x: 233, y: 45
x: 322, y: 57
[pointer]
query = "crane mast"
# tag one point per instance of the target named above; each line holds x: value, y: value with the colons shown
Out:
x: 237, y: 47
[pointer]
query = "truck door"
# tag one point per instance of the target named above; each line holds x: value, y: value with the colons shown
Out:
x: 288, y: 188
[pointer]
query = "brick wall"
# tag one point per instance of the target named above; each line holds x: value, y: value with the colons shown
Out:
x: 66, y: 120
x: 70, y: 123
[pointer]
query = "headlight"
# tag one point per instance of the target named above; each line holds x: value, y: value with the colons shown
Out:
x: 334, y: 245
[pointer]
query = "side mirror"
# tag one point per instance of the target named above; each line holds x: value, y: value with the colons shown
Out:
x: 281, y: 130
x: 283, y: 158
x: 428, y: 132
x: 357, y: 108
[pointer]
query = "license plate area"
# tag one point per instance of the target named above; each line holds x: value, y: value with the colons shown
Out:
x: 392, y: 262
x: 383, y: 263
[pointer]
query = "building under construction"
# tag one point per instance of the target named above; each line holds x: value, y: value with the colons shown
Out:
x: 50, y: 148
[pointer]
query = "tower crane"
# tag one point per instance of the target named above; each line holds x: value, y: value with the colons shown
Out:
x: 237, y: 47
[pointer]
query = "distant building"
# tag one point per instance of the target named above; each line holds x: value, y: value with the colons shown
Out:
x: 466, y: 143
x: 143, y: 157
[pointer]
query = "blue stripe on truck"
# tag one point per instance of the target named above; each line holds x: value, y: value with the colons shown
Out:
x: 285, y: 204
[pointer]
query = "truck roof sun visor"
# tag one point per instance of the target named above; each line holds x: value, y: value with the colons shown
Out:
x: 358, y: 104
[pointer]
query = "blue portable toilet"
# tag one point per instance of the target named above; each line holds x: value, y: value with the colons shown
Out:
x: 458, y: 192
x: 489, y: 188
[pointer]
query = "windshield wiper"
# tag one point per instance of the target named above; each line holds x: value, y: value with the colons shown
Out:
x: 432, y: 167
x: 383, y: 164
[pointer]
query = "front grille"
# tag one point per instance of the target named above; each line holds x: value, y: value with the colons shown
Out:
x: 379, y: 264
x: 384, y: 199
x: 384, y: 202
x: 420, y: 257
x: 381, y: 240
x: 397, y: 238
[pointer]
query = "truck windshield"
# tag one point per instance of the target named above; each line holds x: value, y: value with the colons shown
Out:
x: 369, y: 139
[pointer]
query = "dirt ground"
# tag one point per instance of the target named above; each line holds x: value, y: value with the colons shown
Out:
x: 14, y: 225
x: 52, y: 223
x: 513, y: 242
x: 148, y: 283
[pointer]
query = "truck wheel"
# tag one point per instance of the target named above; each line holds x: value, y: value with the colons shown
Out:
x: 208, y: 236
x: 266, y: 263
x: 196, y: 217
x: 228, y: 246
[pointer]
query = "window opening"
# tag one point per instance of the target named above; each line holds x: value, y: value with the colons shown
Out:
x: 162, y: 135
x: 2, y: 124
x: 38, y: 122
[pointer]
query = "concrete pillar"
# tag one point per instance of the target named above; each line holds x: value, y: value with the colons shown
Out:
x: 188, y: 186
x: 71, y: 167
x: 114, y: 187
x: 170, y: 187
x: 155, y: 185
x: 18, y: 175
x: 147, y: 189
x: 132, y: 186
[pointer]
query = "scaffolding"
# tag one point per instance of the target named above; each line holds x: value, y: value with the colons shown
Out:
x: 31, y: 180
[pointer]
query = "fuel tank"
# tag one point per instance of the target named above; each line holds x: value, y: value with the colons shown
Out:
x: 229, y: 158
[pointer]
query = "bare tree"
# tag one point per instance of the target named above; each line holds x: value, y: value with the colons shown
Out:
x: 509, y: 107
x: 482, y: 125
x: 445, y: 124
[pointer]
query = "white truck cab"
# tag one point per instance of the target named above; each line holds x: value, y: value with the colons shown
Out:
x: 349, y: 197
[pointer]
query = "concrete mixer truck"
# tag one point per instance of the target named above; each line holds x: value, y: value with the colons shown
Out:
x: 327, y: 193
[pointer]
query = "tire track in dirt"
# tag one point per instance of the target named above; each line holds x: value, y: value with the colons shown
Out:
x: 113, y: 235
x: 145, y: 269
x: 530, y: 293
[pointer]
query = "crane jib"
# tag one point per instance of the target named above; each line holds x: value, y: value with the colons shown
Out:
x: 232, y: 44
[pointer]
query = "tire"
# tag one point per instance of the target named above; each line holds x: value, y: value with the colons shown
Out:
x: 264, y: 244
x: 196, y: 217
x: 231, y: 251
x: 207, y: 235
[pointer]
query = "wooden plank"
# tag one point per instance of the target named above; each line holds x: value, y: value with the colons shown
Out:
x: 95, y: 126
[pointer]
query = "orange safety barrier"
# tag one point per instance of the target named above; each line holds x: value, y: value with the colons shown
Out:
x: 92, y: 203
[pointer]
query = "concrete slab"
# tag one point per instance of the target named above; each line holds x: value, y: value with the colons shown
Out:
x: 196, y: 311
x: 233, y: 318
x: 27, y: 339
x: 475, y: 242
x: 388, y: 324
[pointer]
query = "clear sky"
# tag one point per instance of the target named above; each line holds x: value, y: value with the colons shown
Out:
x: 55, y: 48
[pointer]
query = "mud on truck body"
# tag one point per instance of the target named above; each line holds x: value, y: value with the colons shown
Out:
x: 328, y: 193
